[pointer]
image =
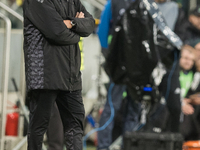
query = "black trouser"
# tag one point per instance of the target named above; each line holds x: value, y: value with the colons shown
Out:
x: 166, y: 117
x: 174, y: 107
x: 55, y: 137
x: 190, y: 127
x: 71, y: 110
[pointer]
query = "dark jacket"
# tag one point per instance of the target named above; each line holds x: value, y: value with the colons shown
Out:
x: 118, y: 9
x: 181, y: 26
x: 192, y: 32
x: 190, y: 127
x: 171, y: 89
x: 52, y: 55
x: 187, y: 30
x: 195, y: 87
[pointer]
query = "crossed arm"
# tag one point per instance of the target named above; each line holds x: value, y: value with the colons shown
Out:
x: 68, y: 22
x: 188, y: 103
x: 45, y: 17
x: 84, y: 24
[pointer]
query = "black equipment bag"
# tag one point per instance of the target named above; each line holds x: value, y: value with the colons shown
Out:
x: 152, y: 141
x: 132, y: 53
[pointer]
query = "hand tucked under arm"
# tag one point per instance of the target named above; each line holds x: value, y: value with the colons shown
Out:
x: 84, y: 22
x: 195, y: 99
x: 68, y: 22
x: 187, y: 108
x: 80, y: 15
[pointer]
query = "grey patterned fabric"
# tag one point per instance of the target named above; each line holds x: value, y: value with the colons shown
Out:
x: 34, y: 58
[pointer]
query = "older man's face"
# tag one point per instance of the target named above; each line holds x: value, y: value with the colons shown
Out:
x: 187, y: 60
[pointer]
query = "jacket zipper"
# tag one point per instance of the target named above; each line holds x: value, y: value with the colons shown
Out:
x: 70, y: 52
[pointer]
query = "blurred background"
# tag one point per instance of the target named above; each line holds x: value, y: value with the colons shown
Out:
x: 13, y: 110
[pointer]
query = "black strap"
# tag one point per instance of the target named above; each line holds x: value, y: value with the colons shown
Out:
x: 156, y: 15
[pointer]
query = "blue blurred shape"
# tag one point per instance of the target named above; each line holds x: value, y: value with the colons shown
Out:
x: 147, y: 89
x: 91, y: 120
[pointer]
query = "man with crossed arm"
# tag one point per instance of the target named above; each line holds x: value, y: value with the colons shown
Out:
x: 52, y: 30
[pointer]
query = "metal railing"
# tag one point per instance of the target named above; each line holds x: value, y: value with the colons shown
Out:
x: 97, y: 3
x: 21, y: 94
x: 6, y: 74
x: 102, y: 1
x: 6, y: 54
x: 11, y: 11
x: 19, y: 17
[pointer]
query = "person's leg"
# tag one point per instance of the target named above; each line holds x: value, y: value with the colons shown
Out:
x: 105, y: 136
x: 157, y: 112
x: 187, y: 127
x: 41, y: 103
x: 55, y: 133
x: 132, y: 115
x: 174, y: 106
x: 72, y: 112
x: 190, y: 127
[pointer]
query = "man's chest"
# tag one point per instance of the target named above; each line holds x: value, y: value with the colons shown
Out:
x: 66, y: 8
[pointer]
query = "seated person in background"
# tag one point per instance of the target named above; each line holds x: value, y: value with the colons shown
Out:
x: 176, y: 90
x: 190, y: 126
x: 196, y: 44
x: 193, y: 26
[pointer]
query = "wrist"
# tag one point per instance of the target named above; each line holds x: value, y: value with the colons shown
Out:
x: 183, y: 103
x: 73, y: 23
